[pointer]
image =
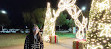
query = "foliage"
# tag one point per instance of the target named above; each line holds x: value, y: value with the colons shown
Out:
x: 4, y: 19
x: 36, y: 17
x: 39, y: 15
x: 65, y: 35
x: 70, y: 23
x: 61, y: 20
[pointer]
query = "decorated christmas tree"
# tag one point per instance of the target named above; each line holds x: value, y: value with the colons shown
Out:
x: 99, y: 33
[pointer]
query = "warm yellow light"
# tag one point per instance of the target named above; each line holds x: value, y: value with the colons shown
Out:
x: 75, y: 12
x: 98, y: 43
x: 99, y: 27
x: 104, y: 41
x: 109, y: 44
x: 101, y: 6
x: 46, y: 38
x: 92, y: 39
x: 49, y: 24
x: 105, y: 29
x: 72, y: 9
x: 94, y: 46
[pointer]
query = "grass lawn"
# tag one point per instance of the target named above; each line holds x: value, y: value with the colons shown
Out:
x: 11, y: 39
x: 65, y: 35
x: 17, y: 39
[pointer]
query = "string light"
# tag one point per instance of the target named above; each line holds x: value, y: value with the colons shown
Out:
x: 49, y: 24
x: 105, y: 29
x: 94, y: 46
x: 99, y: 25
x: 101, y: 6
x: 72, y: 9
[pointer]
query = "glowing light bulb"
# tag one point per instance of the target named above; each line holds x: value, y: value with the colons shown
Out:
x: 3, y: 11
x: 94, y: 46
x: 104, y: 41
x: 72, y: 9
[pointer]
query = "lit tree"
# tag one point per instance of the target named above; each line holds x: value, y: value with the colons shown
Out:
x: 99, y: 33
x: 49, y: 24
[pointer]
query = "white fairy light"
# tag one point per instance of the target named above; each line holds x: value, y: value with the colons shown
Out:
x: 94, y: 46
x: 49, y: 24
x: 105, y: 29
x: 73, y: 10
x: 99, y: 25
x: 101, y: 6
x: 104, y: 41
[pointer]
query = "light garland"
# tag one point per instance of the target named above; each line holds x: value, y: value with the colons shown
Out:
x: 94, y: 47
x: 99, y: 33
x: 103, y: 4
x: 49, y: 24
x: 73, y: 10
x: 105, y: 29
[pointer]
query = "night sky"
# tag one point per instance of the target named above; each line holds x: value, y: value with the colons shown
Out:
x: 15, y: 8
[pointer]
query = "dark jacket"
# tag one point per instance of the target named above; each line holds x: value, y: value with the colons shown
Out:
x: 29, y: 42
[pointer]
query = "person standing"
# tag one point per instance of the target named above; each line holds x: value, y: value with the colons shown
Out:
x: 34, y: 39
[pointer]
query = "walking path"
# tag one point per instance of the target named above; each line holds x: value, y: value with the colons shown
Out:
x: 63, y: 44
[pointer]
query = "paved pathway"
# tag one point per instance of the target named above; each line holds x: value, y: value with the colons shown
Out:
x: 14, y: 47
x: 63, y: 44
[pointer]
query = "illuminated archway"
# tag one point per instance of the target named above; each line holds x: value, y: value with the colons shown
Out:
x: 72, y: 9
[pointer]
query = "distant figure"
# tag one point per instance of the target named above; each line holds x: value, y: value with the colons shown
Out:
x: 34, y: 39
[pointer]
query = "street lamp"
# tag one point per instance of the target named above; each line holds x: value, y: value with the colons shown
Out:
x: 3, y: 12
x: 83, y: 8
